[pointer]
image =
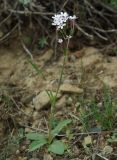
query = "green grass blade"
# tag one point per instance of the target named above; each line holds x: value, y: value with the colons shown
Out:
x: 59, y: 127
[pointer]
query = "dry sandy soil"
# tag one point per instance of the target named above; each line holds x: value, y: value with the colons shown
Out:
x: 85, y: 73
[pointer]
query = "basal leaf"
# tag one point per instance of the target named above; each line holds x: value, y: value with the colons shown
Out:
x: 112, y: 140
x: 35, y: 136
x: 57, y: 147
x: 59, y: 127
x: 36, y: 145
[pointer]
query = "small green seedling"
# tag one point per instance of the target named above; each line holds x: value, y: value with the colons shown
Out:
x: 53, y: 145
x: 43, y: 42
x: 113, y: 138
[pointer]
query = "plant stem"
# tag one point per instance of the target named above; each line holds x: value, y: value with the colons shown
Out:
x: 51, y: 117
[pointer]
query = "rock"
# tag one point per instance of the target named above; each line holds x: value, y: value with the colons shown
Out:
x: 109, y: 77
x: 77, y: 104
x: 42, y: 100
x: 107, y: 150
x: 46, y: 57
x: 47, y: 157
x: 28, y: 130
x: 36, y: 124
x: 87, y: 141
x: 28, y: 111
x: 68, y: 81
x: 68, y: 88
x: 61, y: 103
x: 27, y: 99
x: 36, y: 115
x: 69, y: 101
x: 91, y: 57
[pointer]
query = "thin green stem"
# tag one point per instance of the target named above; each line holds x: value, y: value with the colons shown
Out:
x: 53, y: 103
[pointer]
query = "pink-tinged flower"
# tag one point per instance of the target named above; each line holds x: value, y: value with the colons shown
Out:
x: 60, y: 40
x: 72, y: 17
x: 68, y: 37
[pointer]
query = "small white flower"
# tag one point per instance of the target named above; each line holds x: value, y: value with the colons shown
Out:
x: 69, y: 37
x: 60, y: 20
x: 60, y: 40
x: 72, y: 17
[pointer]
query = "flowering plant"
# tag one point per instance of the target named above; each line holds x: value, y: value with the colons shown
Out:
x: 38, y: 140
x: 61, y: 21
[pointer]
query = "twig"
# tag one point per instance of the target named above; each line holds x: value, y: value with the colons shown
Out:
x: 100, y: 36
x: 102, y: 30
x: 35, y: 129
x: 29, y: 12
x: 102, y: 156
x: 4, y: 20
x: 107, y: 7
x: 64, y: 4
x: 22, y: 43
x: 9, y: 33
x: 98, y: 12
x: 85, y: 33
x: 27, y: 50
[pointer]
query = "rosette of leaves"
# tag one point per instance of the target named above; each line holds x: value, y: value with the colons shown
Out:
x: 41, y: 140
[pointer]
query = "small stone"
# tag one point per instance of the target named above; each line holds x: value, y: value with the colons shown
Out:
x: 100, y: 105
x: 77, y: 104
x: 87, y: 141
x: 68, y: 88
x: 28, y: 111
x: 36, y: 124
x: 35, y: 115
x: 47, y: 157
x: 107, y: 150
x: 46, y: 57
x: 23, y: 148
x: 61, y: 103
x: 68, y: 81
x: 42, y: 100
x: 69, y: 101
x: 27, y: 130
x: 94, y: 142
x: 17, y: 152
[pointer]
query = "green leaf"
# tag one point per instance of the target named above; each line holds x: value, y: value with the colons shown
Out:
x: 43, y: 42
x: 35, y: 136
x: 111, y: 140
x: 59, y: 127
x: 25, y: 2
x: 57, y: 147
x: 35, y: 67
x: 37, y: 144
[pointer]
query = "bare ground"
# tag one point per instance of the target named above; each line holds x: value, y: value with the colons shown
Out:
x: 87, y: 69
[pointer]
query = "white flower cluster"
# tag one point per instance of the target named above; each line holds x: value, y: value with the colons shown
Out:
x: 59, y: 20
